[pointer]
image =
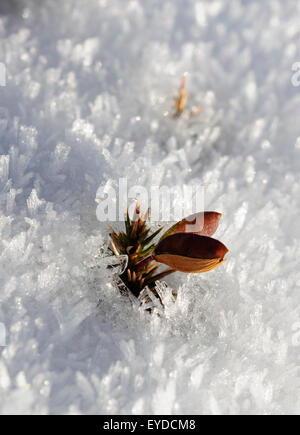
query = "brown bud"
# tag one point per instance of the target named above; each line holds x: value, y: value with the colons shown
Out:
x: 190, y: 253
x: 181, y: 101
x: 203, y: 224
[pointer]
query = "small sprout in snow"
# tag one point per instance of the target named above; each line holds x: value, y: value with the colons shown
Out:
x: 185, y: 247
x: 180, y: 102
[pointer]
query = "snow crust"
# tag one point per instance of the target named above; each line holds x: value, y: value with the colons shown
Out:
x: 87, y: 87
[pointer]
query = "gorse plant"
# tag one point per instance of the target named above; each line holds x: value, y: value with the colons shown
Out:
x: 181, y: 100
x: 185, y: 247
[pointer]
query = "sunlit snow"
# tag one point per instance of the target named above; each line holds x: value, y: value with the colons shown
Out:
x: 86, y: 92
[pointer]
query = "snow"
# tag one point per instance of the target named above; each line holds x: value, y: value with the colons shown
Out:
x: 88, y: 85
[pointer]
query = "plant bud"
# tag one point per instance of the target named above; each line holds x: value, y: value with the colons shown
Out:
x: 190, y: 253
x: 203, y: 224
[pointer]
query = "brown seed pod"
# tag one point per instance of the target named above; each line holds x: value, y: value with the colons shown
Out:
x: 190, y: 253
x: 203, y: 224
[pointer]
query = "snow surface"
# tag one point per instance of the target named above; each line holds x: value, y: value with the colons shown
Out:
x: 88, y: 83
